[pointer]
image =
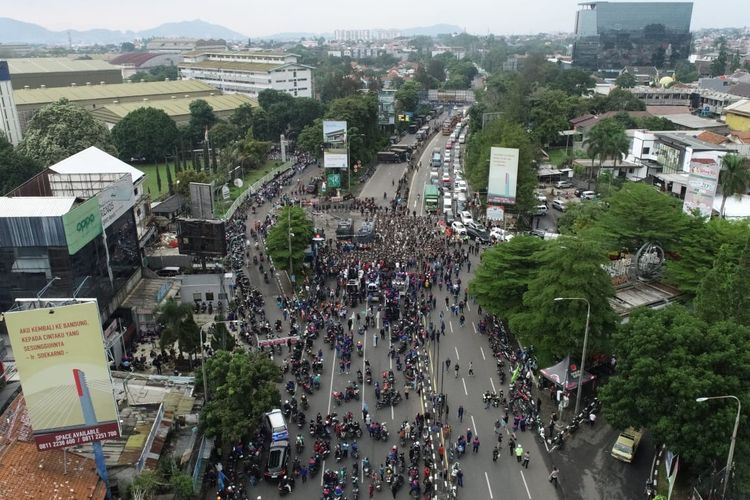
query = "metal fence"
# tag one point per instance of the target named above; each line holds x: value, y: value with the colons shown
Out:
x: 254, y: 188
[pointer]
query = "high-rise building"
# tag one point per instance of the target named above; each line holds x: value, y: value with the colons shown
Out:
x: 10, y: 127
x: 613, y: 35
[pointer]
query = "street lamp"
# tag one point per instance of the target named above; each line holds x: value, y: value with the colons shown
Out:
x: 734, y: 437
x: 585, y: 343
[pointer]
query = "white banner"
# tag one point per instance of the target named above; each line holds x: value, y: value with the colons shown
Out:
x: 501, y: 187
x: 335, y: 160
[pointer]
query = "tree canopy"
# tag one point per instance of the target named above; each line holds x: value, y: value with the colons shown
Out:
x: 59, y: 130
x: 294, y: 221
x: 15, y: 169
x: 145, y: 132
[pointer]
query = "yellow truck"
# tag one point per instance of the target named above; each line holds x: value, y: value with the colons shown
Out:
x: 627, y: 444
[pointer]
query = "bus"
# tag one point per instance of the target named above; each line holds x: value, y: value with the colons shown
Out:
x: 431, y: 198
x: 447, y: 127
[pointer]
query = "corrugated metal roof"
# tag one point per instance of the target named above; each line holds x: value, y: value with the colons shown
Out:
x: 740, y: 107
x: 234, y: 66
x: 135, y: 58
x: 110, y: 91
x: 56, y: 64
x: 35, y: 206
x: 172, y: 107
x: 95, y: 161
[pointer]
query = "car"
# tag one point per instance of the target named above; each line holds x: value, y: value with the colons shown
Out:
x: 446, y: 181
x: 558, y: 204
x: 312, y: 187
x: 449, y: 145
x: 458, y: 228
x: 541, y: 198
x: 588, y: 195
x: 478, y: 234
x: 563, y: 184
x: 278, y: 461
x: 540, y: 210
x: 466, y: 216
x: 460, y: 185
x: 627, y: 444
x: 500, y: 234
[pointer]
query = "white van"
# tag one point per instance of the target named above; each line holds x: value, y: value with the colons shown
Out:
x: 462, y: 139
x: 276, y: 425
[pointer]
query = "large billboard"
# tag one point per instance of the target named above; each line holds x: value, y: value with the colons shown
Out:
x: 201, y: 200
x: 64, y: 374
x: 116, y: 199
x: 501, y: 187
x: 386, y: 107
x: 335, y: 159
x: 334, y: 132
x: 701, y: 189
x: 82, y: 224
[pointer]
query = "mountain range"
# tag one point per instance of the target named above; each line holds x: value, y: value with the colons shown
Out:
x: 14, y: 31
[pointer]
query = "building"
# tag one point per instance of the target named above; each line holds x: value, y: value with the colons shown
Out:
x: 737, y: 116
x: 612, y: 35
x: 177, y: 45
x: 178, y: 108
x: 248, y: 72
x: 10, y: 126
x: 91, y: 97
x: 43, y: 72
x: 133, y: 62
x: 209, y: 288
x: 365, y: 35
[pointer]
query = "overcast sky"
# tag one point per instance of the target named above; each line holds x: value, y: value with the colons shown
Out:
x: 258, y: 18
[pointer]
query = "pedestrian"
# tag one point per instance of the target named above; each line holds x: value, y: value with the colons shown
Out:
x: 455, y: 369
x: 592, y: 418
x: 511, y: 445
x: 519, y: 453
x: 525, y: 461
x: 374, y: 339
x: 406, y: 390
x: 303, y: 473
x: 475, y: 444
x: 471, y: 368
x: 553, y: 476
x: 371, y: 489
x: 460, y: 478
x: 468, y: 435
x: 441, y: 452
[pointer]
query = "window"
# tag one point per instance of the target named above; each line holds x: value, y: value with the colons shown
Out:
x: 646, y: 151
x: 294, y: 74
x: 209, y: 296
x: 222, y: 296
x: 295, y: 84
x: 197, y: 296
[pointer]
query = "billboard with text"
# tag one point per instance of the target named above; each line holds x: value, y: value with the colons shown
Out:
x: 335, y: 159
x: 701, y: 189
x: 501, y: 187
x: 64, y: 374
x: 82, y: 224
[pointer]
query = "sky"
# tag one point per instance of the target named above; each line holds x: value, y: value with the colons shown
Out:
x: 255, y: 18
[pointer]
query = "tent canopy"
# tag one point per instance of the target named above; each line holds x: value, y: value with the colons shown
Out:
x: 565, y: 374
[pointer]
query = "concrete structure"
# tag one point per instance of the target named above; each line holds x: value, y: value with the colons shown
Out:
x: 177, y: 45
x: 91, y: 97
x: 614, y: 35
x: 249, y: 72
x: 44, y: 72
x: 10, y: 126
x: 209, y: 288
x: 365, y: 35
x: 737, y: 116
x: 133, y: 62
x: 177, y: 108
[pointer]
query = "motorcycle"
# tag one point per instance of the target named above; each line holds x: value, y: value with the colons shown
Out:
x: 305, y: 403
x: 299, y: 445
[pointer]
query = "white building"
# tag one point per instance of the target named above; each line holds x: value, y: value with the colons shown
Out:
x: 10, y: 126
x: 248, y: 72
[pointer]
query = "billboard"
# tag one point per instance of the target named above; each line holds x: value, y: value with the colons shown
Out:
x: 334, y: 181
x: 495, y: 213
x: 335, y: 159
x: 82, y: 224
x: 201, y: 200
x: 334, y: 132
x: 116, y: 199
x: 702, y: 183
x: 386, y: 107
x: 501, y: 187
x: 64, y: 374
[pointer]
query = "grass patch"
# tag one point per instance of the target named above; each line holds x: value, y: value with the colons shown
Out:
x: 250, y: 178
x: 150, y: 184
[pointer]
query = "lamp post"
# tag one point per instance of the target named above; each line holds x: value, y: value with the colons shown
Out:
x: 585, y: 343
x: 290, y: 234
x: 730, y: 456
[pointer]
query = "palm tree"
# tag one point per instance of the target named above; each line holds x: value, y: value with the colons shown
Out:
x: 173, y: 315
x: 734, y: 178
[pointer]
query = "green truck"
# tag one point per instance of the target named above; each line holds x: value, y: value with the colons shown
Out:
x: 431, y: 198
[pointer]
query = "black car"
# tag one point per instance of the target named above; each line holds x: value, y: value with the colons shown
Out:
x: 478, y: 234
x: 278, y: 461
x: 312, y: 187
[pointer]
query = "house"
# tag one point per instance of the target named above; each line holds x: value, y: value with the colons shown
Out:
x: 133, y: 62
x: 644, y: 75
x: 737, y: 115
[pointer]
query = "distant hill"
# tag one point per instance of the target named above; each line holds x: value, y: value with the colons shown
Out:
x: 13, y: 31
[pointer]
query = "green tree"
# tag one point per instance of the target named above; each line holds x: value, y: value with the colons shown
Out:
x: 504, y: 274
x: 158, y: 178
x: 686, y: 72
x: 249, y: 152
x: 15, y: 169
x: 185, y: 177
x: 59, y: 130
x: 569, y: 267
x: 579, y: 218
x: 606, y: 140
x: 292, y: 231
x: 170, y: 182
x: 550, y: 112
x: 145, y: 132
x: 626, y: 81
x: 723, y: 294
x: 242, y: 119
x: 172, y: 315
x: 736, y: 62
x: 665, y: 359
x: 617, y: 100
x: 734, y: 178
x: 202, y: 118
x: 719, y: 65
x: 310, y: 139
x: 242, y: 388
x: 220, y: 338
x: 408, y: 95
x: 223, y: 134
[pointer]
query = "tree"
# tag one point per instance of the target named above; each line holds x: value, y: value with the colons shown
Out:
x: 170, y: 182
x: 579, y: 218
x: 249, y: 152
x: 436, y: 69
x: 719, y: 65
x: 185, y: 177
x: 626, y: 81
x: 158, y: 178
x: 310, y: 140
x: 736, y: 61
x: 723, y: 294
x: 145, y: 132
x: 607, y: 139
x: 685, y: 72
x: 223, y: 134
x: 504, y: 274
x: 202, y: 118
x: 569, y: 267
x: 550, y: 112
x: 59, y: 130
x: 665, y: 359
x: 292, y: 231
x: 734, y: 178
x: 15, y: 169
x: 172, y: 315
x: 242, y: 388
x: 408, y: 95
x: 617, y: 100
x: 242, y: 119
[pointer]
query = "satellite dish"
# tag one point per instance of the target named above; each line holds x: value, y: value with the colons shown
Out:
x: 238, y: 182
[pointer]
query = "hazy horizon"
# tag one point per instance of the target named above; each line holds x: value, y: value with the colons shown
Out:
x: 475, y: 16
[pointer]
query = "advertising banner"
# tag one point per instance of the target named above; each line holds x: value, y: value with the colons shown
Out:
x: 64, y: 374
x: 116, y: 199
x: 501, y: 188
x: 82, y: 224
x: 495, y: 213
x: 701, y: 189
x: 335, y: 159
x: 334, y: 181
x: 334, y: 132
x: 386, y: 107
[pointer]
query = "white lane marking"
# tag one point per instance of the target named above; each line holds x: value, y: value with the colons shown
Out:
x: 474, y: 325
x: 392, y: 415
x: 467, y: 307
x: 492, y: 383
x: 473, y: 426
x: 525, y: 485
x: 465, y: 391
x: 483, y: 356
x: 457, y: 359
x: 330, y: 389
x: 364, y: 357
x: 486, y: 477
x: 377, y: 320
x: 450, y: 323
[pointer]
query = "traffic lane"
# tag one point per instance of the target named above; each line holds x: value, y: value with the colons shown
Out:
x: 384, y: 180
x: 422, y: 174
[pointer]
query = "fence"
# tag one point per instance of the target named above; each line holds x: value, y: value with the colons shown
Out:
x: 255, y: 187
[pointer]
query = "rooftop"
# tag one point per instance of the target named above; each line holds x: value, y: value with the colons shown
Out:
x: 740, y: 107
x: 134, y: 58
x: 690, y: 141
x: 233, y: 66
x: 36, y: 206
x: 57, y: 65
x: 261, y: 53
x: 173, y: 107
x: 691, y: 121
x: 95, y: 161
x: 712, y: 137
x: 110, y: 91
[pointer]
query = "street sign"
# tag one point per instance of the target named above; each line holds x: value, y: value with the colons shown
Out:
x: 334, y: 181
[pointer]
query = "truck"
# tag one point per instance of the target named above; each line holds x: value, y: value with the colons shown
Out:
x: 437, y: 159
x: 626, y: 445
x: 388, y: 157
x: 431, y: 198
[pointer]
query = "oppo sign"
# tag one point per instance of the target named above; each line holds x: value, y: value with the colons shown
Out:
x: 82, y: 224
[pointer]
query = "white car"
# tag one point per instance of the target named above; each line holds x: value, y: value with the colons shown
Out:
x: 558, y: 205
x: 466, y: 216
x: 500, y: 234
x: 458, y: 228
x: 460, y: 185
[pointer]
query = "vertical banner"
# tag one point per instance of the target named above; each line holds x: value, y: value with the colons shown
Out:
x: 702, y: 183
x: 64, y: 374
x: 501, y: 187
